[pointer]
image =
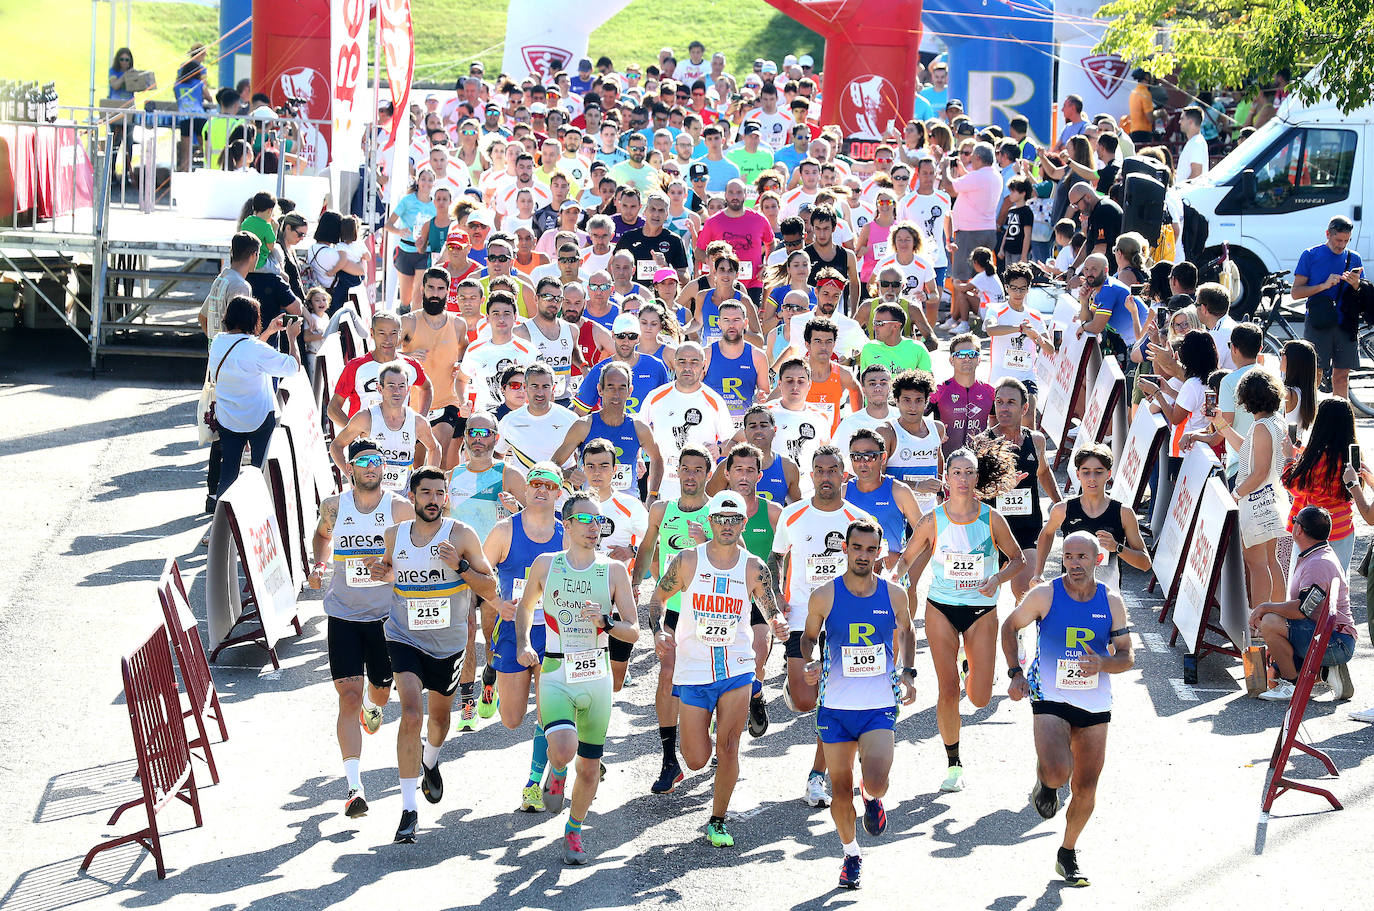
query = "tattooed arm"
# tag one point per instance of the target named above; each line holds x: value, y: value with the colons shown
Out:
x: 324, y: 538
x: 764, y: 593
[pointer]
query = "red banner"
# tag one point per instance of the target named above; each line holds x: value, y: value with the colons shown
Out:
x: 348, y: 64
x: 398, y: 49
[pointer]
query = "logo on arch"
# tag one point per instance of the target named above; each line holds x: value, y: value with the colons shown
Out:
x: 1106, y: 71
x: 543, y: 59
x: 868, y: 104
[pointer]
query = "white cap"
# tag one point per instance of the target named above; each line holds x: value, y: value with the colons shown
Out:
x: 481, y: 217
x: 725, y: 503
x: 539, y: 108
x: 789, y: 60
x: 806, y: 60
x: 625, y: 322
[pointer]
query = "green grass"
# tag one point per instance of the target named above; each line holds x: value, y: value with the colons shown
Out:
x: 449, y: 35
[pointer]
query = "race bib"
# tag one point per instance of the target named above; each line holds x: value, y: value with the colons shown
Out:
x: 428, y: 613
x: 880, y: 250
x: 356, y: 573
x: 517, y: 589
x: 394, y: 477
x: 716, y: 630
x: 624, y: 476
x: 584, y: 667
x: 1015, y: 502
x: 863, y: 660
x: 746, y: 270
x: 434, y: 414
x: 964, y: 567
x: 574, y: 384
x: 821, y: 568
x: 1071, y: 676
x: 1017, y: 357
x: 645, y: 269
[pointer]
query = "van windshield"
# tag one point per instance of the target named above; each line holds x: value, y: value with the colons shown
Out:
x: 1243, y: 155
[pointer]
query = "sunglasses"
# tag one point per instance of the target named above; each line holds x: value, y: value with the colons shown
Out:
x: 550, y: 297
x: 480, y: 433
x: 885, y: 204
x: 796, y: 308
x: 727, y: 521
x: 368, y: 461
x: 887, y: 322
x: 540, y: 484
x: 599, y: 286
x: 967, y: 354
x: 498, y: 257
x: 866, y: 455
x: 889, y: 284
x: 515, y: 385
x: 585, y: 518
x: 625, y: 336
x: 567, y: 259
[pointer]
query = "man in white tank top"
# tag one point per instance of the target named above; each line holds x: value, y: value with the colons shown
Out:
x: 917, y: 458
x: 714, y: 645
x: 351, y: 529
x: 394, y: 428
x: 552, y: 339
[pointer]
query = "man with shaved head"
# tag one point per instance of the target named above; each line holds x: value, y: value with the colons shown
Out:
x: 1104, y: 306
x: 747, y: 232
x: 1101, y: 221
x: 1081, y: 638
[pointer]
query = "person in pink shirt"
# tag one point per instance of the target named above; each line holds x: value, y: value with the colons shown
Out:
x: 748, y: 234
x: 974, y: 217
x: 963, y: 402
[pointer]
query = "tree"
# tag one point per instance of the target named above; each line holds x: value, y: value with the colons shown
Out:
x: 1245, y: 42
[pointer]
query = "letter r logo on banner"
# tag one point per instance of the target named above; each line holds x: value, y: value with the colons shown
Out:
x: 982, y: 102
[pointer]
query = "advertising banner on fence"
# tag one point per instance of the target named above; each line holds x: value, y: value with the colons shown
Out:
x: 1138, y: 455
x: 1198, y: 466
x: 351, y: 100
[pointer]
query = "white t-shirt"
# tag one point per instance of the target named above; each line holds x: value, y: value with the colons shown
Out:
x: 794, y: 199
x: 916, y: 273
x: 688, y: 72
x: 626, y: 521
x: 814, y: 538
x: 1014, y: 355
x: 1064, y: 258
x: 928, y: 212
x: 526, y: 438
x: 1221, y: 335
x: 483, y: 364
x: 990, y: 292
x: 852, y: 424
x: 678, y: 418
x: 1191, y: 397
x: 799, y: 434
x: 775, y: 129
x: 504, y: 202
x: 1194, y: 152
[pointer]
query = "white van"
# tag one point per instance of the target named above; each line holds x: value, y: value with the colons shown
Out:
x: 1308, y: 165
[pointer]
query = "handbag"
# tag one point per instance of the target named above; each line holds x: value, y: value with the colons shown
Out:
x: 207, y: 394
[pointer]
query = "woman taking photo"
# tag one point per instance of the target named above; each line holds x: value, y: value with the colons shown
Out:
x: 415, y: 207
x: 1317, y: 478
x: 1259, y: 491
x: 1185, y: 413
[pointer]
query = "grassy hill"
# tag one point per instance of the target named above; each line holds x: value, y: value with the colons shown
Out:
x: 449, y: 35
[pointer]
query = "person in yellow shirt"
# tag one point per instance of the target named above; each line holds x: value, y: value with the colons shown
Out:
x: 1142, y: 116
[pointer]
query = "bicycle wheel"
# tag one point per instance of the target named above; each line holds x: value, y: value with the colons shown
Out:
x: 1362, y: 377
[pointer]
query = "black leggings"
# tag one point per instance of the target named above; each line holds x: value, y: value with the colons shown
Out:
x: 231, y: 450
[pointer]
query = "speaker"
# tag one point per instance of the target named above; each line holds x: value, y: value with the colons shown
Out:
x: 1140, y: 164
x: 1143, y: 206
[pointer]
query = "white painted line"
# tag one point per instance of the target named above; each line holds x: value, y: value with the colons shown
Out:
x: 1154, y: 642
x: 1183, y: 691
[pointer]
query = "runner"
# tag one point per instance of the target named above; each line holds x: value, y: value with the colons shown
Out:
x: 553, y: 341
x: 438, y: 339
x: 714, y: 665
x: 481, y: 492
x: 1113, y: 524
x: 880, y: 495
x: 485, y: 360
x: 426, y: 629
x: 684, y: 412
x: 806, y: 554
x: 582, y: 596
x: 916, y: 458
x: 779, y: 479
x: 356, y: 388
x: 736, y: 369
x: 963, y: 537
x: 355, y: 607
x: 1019, y: 336
x: 647, y: 371
x: 1020, y: 506
x: 624, y: 523
x: 631, y: 437
x: 963, y: 401
x: 832, y: 386
x: 512, y: 548
x: 801, y: 428
x: 531, y: 433
x: 674, y: 526
x: 393, y: 427
x: 865, y: 623
x: 876, y: 415
x: 1082, y: 635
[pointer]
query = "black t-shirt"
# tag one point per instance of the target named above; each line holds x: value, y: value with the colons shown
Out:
x: 1019, y: 222
x: 274, y: 296
x: 839, y: 261
x: 1104, y: 224
x: 544, y: 219
x: 643, y: 248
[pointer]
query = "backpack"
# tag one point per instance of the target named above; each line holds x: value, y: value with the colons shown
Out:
x: 1194, y: 233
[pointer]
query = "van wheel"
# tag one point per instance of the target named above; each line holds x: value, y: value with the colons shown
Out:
x: 1252, y: 274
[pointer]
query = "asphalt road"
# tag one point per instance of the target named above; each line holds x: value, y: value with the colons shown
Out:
x: 106, y: 482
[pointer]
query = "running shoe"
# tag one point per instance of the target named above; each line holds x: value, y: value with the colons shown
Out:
x: 405, y: 832
x: 431, y: 783
x: 1045, y: 800
x: 849, y: 872
x: 554, y: 785
x: 960, y: 327
x: 758, y: 717
x: 602, y: 775
x: 875, y: 817
x: 668, y: 778
x: 954, y: 779
x: 355, y: 804
x: 1281, y: 693
x: 467, y: 716
x: 1342, y: 687
x: 370, y: 719
x: 532, y: 799
x: 572, y: 849
x: 486, y: 706
x: 1067, y: 866
x: 717, y: 836
x: 1365, y: 715
x: 787, y: 695
x: 817, y: 794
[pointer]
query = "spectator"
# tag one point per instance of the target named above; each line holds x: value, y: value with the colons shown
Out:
x: 1193, y: 160
x: 1288, y: 631
x: 1131, y: 266
x: 1316, y: 478
x: 1246, y: 340
x: 1259, y: 492
x: 120, y: 68
x: 937, y: 91
x: 1185, y: 413
x: 1101, y: 221
x: 1142, y: 109
x: 1056, y: 167
x: 974, y: 216
x: 291, y: 230
x: 1108, y: 309
x: 1074, y: 125
x: 1015, y: 243
x: 189, y: 91
x: 1298, y: 365
x: 1325, y: 277
x: 1214, y: 308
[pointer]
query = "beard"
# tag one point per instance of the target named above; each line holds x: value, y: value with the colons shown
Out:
x: 434, y: 305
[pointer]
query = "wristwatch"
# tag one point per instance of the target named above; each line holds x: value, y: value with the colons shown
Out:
x: 909, y: 670
x: 463, y: 566
x: 1014, y: 672
x: 1120, y: 546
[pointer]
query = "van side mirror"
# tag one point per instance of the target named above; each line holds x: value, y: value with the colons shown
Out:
x: 1249, y: 188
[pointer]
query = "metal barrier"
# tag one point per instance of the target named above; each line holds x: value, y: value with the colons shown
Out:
x: 164, y: 758
x: 201, y: 694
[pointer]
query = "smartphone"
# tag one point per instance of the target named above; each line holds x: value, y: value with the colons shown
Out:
x: 1162, y: 317
x: 288, y: 318
x: 1147, y: 378
x: 1209, y: 407
x: 736, y: 96
x: 1355, y: 457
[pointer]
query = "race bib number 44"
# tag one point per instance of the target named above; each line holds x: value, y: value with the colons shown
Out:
x: 1071, y: 676
x: 428, y: 613
x: 863, y: 660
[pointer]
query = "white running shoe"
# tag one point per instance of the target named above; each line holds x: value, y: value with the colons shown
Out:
x: 817, y: 794
x: 960, y: 327
x: 1281, y: 693
x: 954, y: 779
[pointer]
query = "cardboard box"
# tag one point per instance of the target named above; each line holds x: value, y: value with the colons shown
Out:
x: 139, y: 80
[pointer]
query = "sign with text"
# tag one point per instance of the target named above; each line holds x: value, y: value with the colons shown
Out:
x: 1107, y: 397
x: 1069, y: 367
x: 1143, y: 445
x: 1172, y: 541
x: 1201, y: 570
